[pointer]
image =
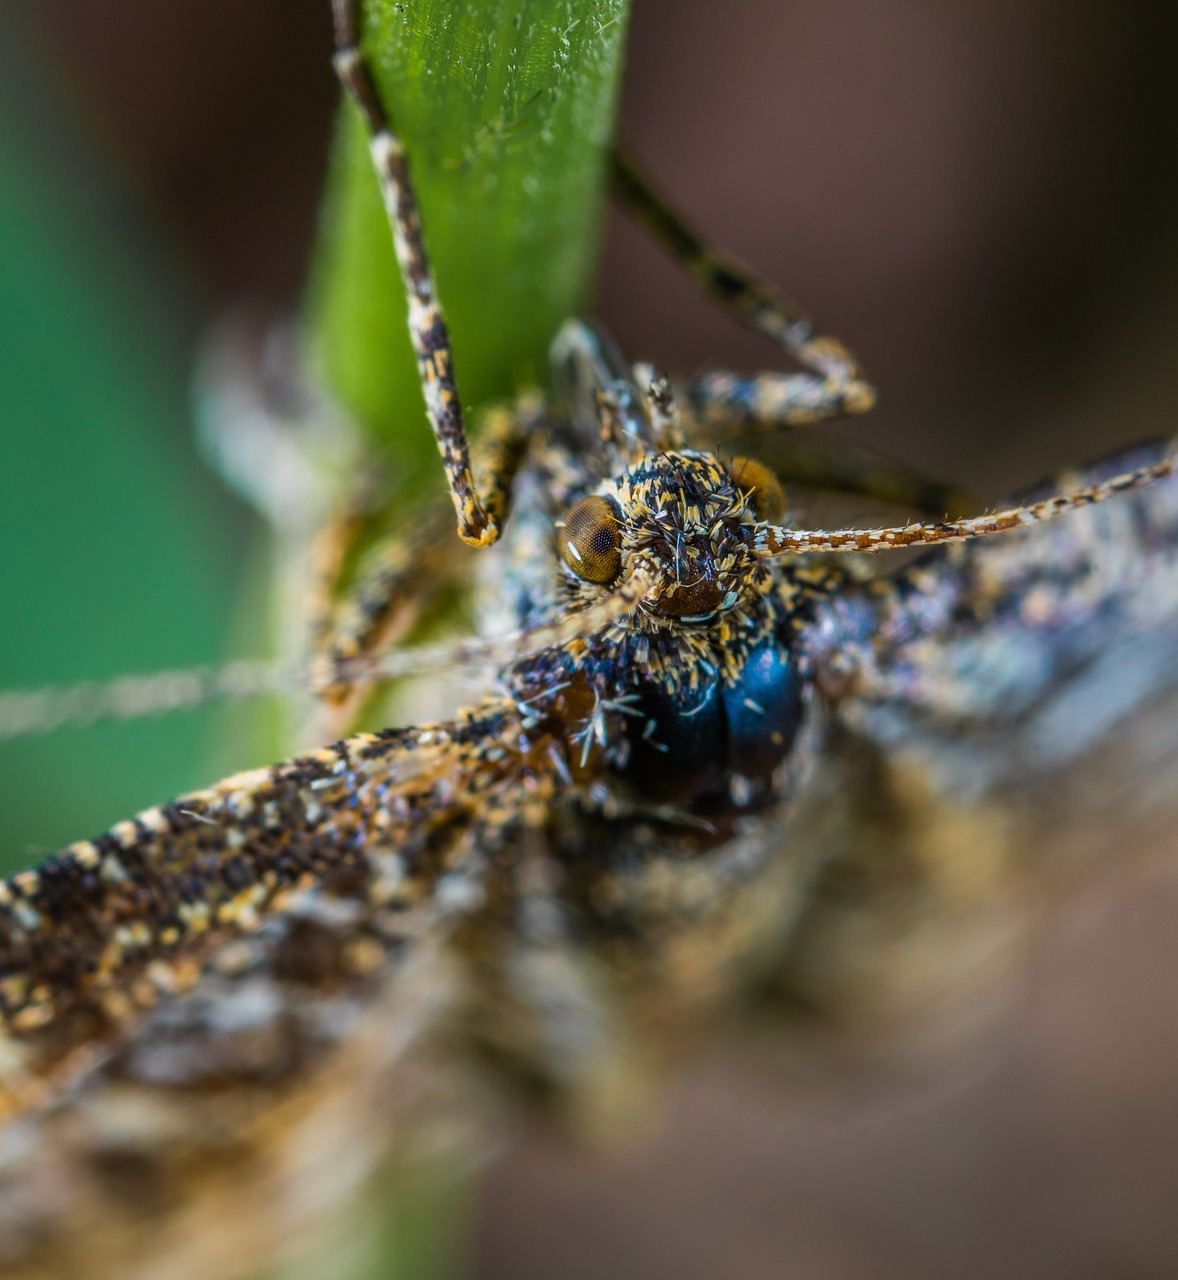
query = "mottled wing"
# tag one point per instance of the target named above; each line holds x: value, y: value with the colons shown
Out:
x: 236, y: 999
x: 1003, y: 712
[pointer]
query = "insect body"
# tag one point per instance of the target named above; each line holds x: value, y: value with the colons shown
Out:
x: 576, y: 864
x: 693, y: 697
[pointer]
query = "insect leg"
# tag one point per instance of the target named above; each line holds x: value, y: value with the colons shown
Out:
x: 402, y: 572
x: 835, y: 384
x: 394, y: 582
x: 477, y: 523
x: 725, y: 402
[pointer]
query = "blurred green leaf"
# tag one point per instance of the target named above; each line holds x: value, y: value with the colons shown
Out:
x: 115, y: 547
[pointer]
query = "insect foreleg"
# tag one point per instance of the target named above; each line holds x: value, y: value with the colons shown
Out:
x: 401, y: 573
x: 836, y: 384
x: 395, y: 581
x: 477, y: 523
x: 727, y: 402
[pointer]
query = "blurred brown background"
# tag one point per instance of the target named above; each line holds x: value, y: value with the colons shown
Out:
x: 979, y: 197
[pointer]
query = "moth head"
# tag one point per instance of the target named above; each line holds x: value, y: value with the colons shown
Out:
x: 688, y: 518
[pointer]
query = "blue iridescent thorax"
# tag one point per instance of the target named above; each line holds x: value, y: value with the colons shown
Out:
x: 722, y: 749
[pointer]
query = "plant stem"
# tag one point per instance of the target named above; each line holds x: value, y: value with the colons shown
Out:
x: 506, y: 110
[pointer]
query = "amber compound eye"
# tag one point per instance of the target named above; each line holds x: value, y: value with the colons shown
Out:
x: 590, y: 542
x: 764, y: 489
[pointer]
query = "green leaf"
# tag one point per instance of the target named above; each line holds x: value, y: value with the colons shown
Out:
x: 506, y: 110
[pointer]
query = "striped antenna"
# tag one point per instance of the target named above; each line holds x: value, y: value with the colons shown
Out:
x: 772, y: 540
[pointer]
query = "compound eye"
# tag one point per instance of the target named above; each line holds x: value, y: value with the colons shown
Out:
x: 764, y: 489
x: 590, y: 542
